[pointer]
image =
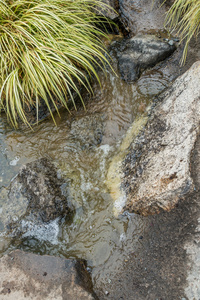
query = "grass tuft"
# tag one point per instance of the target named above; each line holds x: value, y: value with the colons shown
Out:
x: 184, y: 17
x: 47, y: 48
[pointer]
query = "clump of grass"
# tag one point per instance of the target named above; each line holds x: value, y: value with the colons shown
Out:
x: 47, y: 48
x: 184, y: 17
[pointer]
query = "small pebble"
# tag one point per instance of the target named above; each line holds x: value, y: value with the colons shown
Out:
x: 171, y: 42
x: 88, y: 269
x: 107, y: 293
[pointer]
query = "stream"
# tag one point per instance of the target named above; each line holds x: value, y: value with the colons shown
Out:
x: 95, y: 233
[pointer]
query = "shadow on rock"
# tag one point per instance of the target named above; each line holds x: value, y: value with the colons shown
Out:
x: 34, y: 201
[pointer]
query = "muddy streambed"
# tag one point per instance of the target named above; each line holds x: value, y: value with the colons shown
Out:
x: 95, y: 233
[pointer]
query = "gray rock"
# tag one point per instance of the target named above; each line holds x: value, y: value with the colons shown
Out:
x: 142, y: 52
x: 88, y: 131
x: 139, y: 16
x: 34, y: 195
x: 157, y: 168
x: 192, y: 245
x: 171, y: 42
x: 29, y: 276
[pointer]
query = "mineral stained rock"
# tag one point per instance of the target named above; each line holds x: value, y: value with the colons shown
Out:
x: 156, y: 170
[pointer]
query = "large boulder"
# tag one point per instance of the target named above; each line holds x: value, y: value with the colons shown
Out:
x: 153, y: 173
x: 157, y: 168
x: 140, y: 16
x: 29, y: 276
x: 34, y: 195
x: 142, y: 52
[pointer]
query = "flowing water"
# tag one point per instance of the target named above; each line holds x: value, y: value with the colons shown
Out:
x: 95, y: 233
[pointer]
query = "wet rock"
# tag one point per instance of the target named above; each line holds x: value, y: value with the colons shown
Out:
x: 29, y: 276
x: 142, y: 52
x: 157, y: 167
x: 34, y: 195
x: 88, y: 131
x: 140, y: 16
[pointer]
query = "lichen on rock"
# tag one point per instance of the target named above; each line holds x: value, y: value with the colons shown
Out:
x: 156, y: 171
x: 34, y: 196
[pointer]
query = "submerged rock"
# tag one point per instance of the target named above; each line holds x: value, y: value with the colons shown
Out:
x: 142, y: 52
x: 156, y: 171
x: 29, y: 276
x: 88, y: 131
x: 35, y: 196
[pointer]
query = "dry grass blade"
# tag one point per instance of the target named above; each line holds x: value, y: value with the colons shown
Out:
x: 184, y: 17
x: 45, y: 47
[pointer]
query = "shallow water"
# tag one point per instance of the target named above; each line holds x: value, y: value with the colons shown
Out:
x: 95, y: 234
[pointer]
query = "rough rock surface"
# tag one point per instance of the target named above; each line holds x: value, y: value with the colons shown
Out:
x: 35, y: 194
x: 192, y: 246
x: 166, y: 262
x: 140, y: 16
x: 157, y: 167
x: 142, y: 52
x: 88, y: 131
x: 29, y: 276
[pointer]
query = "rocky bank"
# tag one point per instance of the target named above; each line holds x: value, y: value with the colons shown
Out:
x: 155, y: 173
